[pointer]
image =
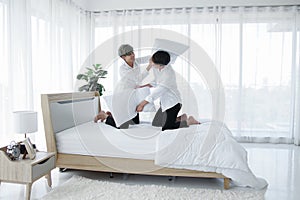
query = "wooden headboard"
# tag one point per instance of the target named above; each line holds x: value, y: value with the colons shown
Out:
x: 65, y: 110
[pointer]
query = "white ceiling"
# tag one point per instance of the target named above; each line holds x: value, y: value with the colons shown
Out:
x: 101, y: 5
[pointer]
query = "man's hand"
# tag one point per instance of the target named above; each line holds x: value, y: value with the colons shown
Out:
x: 141, y: 86
x: 150, y: 64
x: 140, y: 107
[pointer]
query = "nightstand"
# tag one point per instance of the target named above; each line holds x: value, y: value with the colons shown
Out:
x: 26, y: 171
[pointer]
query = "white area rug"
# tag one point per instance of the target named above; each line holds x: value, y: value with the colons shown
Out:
x: 83, y: 188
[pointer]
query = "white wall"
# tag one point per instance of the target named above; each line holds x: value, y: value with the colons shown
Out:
x: 100, y: 5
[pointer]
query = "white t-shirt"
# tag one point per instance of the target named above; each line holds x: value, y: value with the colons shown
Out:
x: 165, y: 89
x: 133, y: 75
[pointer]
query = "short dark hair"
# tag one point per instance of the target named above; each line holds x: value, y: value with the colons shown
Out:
x: 161, y: 57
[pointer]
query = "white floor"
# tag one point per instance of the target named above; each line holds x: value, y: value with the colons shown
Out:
x: 278, y: 164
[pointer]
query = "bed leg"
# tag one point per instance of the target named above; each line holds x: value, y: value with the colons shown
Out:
x: 226, y: 183
x: 62, y: 169
x: 111, y: 175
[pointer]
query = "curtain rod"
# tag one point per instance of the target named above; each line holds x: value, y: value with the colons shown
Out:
x: 198, y: 8
x: 209, y: 8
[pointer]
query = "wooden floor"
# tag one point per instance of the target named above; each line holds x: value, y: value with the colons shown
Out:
x: 278, y: 164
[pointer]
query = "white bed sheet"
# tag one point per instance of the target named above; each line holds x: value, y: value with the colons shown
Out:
x: 99, y: 139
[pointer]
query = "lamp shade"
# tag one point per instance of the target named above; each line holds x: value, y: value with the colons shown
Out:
x: 25, y: 121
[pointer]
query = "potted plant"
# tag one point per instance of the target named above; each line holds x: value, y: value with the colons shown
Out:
x: 91, y: 76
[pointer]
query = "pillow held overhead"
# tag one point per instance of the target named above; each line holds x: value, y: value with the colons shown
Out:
x: 174, y: 48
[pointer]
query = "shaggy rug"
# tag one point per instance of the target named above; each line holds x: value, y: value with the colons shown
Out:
x: 83, y: 188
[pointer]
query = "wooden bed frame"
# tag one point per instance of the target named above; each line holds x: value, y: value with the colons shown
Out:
x: 93, y: 163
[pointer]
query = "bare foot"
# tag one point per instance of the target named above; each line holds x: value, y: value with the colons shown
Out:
x: 191, y: 120
x: 181, y: 118
x: 101, y: 116
x: 96, y: 118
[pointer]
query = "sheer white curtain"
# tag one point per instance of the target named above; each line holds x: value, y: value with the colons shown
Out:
x: 296, y: 63
x: 256, y: 53
x: 16, y: 70
x: 45, y: 43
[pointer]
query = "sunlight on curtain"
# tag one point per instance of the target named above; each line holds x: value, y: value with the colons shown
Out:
x: 45, y: 58
x: 296, y: 55
x: 4, y: 83
x: 16, y: 84
x: 255, y: 50
x: 260, y: 100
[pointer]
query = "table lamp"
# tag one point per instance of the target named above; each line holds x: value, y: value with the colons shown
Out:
x: 25, y: 122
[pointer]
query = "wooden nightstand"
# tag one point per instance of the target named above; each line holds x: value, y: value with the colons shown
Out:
x: 26, y: 171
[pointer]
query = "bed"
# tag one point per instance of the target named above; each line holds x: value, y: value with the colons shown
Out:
x: 65, y: 111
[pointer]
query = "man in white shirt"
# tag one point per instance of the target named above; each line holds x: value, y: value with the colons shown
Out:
x: 166, y: 90
x: 132, y: 76
x: 130, y: 70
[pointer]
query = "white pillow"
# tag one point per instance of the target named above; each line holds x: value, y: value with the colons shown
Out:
x: 108, y: 101
x: 174, y: 48
x: 125, y: 101
x: 140, y: 95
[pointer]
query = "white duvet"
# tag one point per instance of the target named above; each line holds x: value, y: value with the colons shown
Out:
x: 207, y: 147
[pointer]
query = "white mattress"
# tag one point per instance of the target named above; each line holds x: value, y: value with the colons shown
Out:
x: 99, y: 139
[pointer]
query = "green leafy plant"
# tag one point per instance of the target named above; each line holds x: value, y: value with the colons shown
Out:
x: 91, y: 76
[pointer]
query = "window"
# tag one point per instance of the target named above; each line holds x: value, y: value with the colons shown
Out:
x: 253, y: 53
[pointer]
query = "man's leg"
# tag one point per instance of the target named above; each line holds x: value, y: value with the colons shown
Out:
x: 136, y: 119
x: 159, y: 118
x: 171, y: 122
x: 110, y: 121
